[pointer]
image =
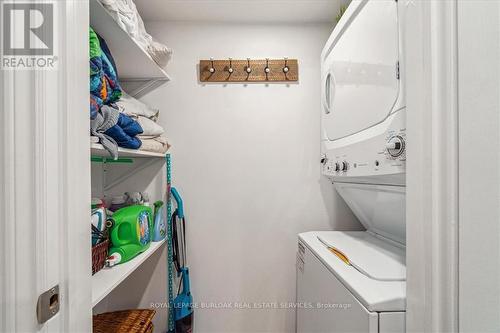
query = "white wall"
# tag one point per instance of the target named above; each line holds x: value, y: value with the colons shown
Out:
x: 246, y: 160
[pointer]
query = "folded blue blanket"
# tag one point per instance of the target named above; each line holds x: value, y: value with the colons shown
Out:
x: 115, y: 129
x: 125, y: 131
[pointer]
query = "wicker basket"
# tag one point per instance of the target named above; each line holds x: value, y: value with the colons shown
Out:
x: 99, y: 255
x: 128, y: 321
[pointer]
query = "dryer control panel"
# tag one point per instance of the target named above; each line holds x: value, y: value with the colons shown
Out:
x: 377, y: 154
x: 395, y: 146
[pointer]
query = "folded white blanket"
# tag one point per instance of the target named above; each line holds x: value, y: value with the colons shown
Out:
x: 124, y: 12
x: 156, y: 145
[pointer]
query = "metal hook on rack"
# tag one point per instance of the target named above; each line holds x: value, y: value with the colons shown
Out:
x: 267, y: 69
x: 248, y: 69
x: 286, y: 68
x: 230, y: 69
x: 212, y: 68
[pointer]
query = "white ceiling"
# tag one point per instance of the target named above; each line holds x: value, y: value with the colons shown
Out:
x: 244, y: 11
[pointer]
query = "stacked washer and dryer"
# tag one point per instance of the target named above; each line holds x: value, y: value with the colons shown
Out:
x: 355, y: 281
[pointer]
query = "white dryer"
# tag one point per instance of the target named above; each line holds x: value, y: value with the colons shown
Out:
x: 356, y: 281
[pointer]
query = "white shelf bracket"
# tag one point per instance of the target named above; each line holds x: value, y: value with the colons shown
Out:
x: 127, y: 174
x: 140, y: 87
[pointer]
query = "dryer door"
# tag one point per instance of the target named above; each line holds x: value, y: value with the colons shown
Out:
x: 359, y: 69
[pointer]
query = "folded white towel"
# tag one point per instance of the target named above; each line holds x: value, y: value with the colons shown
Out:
x: 135, y: 108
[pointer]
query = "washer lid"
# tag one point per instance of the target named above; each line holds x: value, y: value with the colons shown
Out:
x: 362, y: 247
x: 360, y: 66
x: 371, y: 256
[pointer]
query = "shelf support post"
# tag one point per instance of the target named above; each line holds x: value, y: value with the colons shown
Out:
x: 170, y: 259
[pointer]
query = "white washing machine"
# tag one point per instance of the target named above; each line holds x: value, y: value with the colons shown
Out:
x: 356, y: 281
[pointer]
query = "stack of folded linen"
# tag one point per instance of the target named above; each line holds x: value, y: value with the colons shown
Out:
x: 125, y: 14
x: 152, y: 137
x: 110, y: 126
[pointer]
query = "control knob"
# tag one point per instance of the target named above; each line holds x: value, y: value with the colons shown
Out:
x: 345, y: 166
x: 337, y: 166
x: 323, y: 159
x: 395, y: 146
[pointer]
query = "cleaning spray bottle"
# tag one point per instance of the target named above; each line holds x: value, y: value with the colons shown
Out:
x: 160, y: 228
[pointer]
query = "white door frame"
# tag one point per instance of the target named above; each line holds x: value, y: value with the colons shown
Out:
x: 479, y: 161
x: 453, y: 175
x: 432, y: 165
x: 45, y: 184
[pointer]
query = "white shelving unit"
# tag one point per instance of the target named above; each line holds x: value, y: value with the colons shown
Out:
x: 136, y: 69
x: 132, y: 61
x: 107, y: 279
x: 98, y: 150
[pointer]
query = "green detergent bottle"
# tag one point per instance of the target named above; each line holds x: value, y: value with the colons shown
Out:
x: 131, y: 232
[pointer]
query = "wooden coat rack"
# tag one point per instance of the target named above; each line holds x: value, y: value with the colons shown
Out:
x: 267, y: 70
